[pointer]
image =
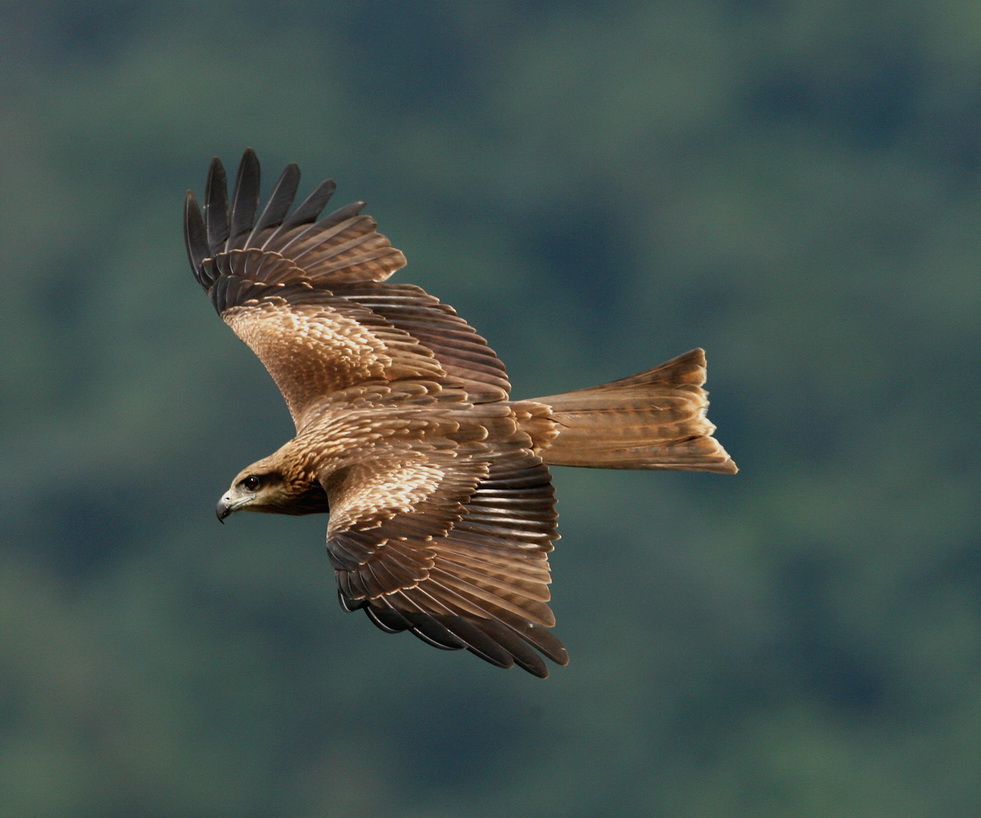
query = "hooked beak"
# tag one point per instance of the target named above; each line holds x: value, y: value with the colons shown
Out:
x: 227, y: 504
x: 222, y: 510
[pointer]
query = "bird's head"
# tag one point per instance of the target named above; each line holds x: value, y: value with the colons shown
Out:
x: 266, y: 486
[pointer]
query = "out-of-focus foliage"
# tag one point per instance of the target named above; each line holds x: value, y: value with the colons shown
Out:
x: 795, y: 186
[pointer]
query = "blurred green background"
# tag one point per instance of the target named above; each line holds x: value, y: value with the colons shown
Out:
x: 596, y: 186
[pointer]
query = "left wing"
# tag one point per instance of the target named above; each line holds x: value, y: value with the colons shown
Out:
x: 309, y: 296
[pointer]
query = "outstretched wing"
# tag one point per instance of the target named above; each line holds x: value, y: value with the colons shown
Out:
x: 453, y: 550
x: 309, y: 296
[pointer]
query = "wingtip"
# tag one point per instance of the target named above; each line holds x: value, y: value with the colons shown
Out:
x: 249, y: 164
x: 216, y: 176
x: 195, y: 237
x: 245, y: 198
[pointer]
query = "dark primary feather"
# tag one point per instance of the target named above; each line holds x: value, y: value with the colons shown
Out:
x: 216, y: 207
x: 245, y: 199
x: 305, y: 213
x: 342, y: 245
x: 195, y: 239
x: 279, y: 202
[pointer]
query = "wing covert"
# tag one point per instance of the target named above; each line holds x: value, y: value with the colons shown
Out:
x: 314, y: 344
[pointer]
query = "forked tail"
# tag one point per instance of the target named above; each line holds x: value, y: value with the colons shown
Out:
x: 654, y: 420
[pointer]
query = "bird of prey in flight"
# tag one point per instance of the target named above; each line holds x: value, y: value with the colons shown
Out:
x: 441, y: 505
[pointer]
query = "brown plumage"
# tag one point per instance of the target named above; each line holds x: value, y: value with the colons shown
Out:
x: 441, y: 504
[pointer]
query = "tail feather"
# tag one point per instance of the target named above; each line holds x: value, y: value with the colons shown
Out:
x: 654, y: 420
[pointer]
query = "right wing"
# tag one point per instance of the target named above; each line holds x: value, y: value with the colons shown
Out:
x: 453, y: 550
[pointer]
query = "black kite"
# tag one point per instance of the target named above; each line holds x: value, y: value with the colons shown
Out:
x: 437, y: 484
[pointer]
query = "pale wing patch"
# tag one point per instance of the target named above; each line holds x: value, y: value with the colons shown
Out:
x: 385, y: 514
x: 313, y: 349
x: 370, y: 494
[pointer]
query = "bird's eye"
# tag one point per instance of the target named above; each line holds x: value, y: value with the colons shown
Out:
x: 251, y: 482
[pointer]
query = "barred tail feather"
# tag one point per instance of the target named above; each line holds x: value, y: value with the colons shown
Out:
x: 654, y: 420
